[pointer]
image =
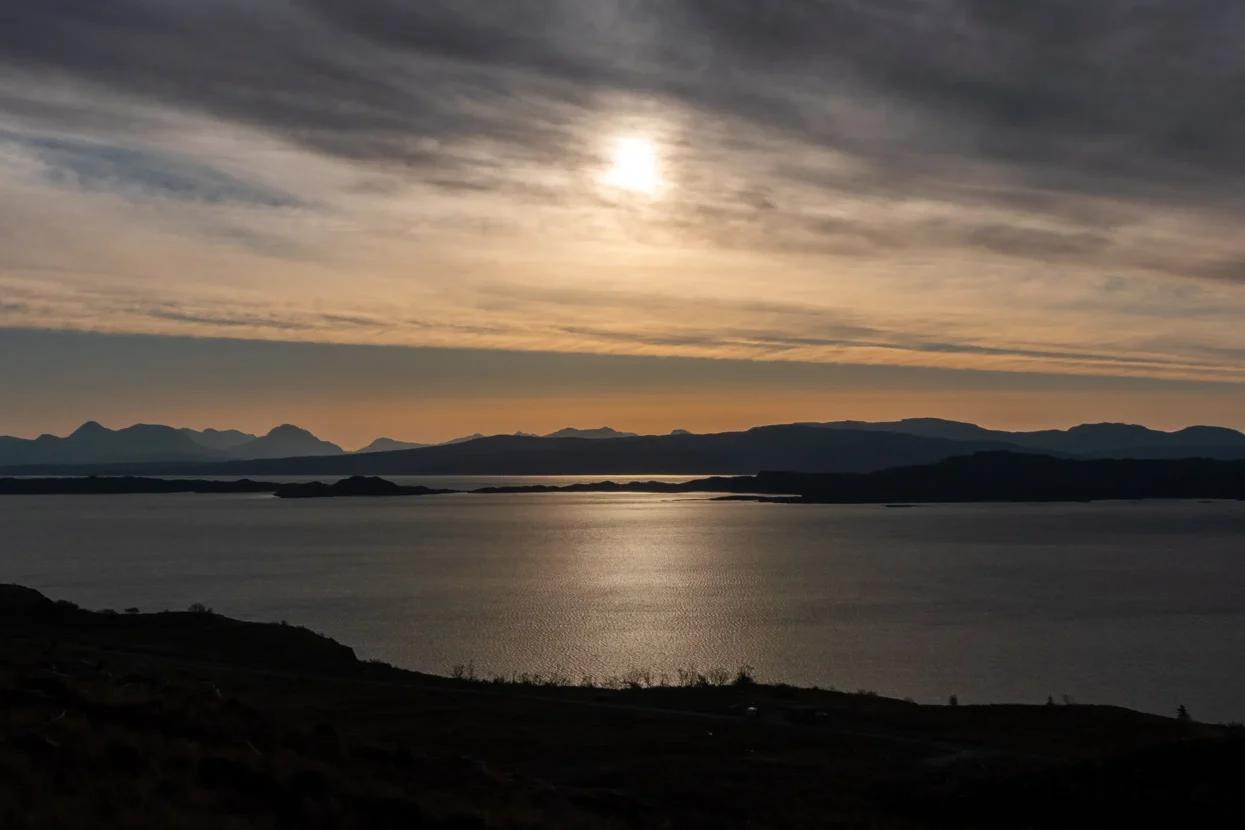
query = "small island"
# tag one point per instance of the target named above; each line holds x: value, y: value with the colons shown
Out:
x: 979, y: 478
x: 354, y: 487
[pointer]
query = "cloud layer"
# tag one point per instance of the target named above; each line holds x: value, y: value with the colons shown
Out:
x: 1050, y: 184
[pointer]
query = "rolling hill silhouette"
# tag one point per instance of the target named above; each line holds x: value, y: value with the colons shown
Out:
x: 1087, y: 440
x: 596, y: 434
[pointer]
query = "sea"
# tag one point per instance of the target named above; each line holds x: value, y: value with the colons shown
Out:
x: 1136, y: 604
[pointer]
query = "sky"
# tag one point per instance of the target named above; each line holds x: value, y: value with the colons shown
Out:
x: 427, y: 219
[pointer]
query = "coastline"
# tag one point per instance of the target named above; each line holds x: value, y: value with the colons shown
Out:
x: 240, y: 718
x: 982, y: 478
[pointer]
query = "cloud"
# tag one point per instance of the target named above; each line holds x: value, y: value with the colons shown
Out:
x: 142, y: 173
x: 1113, y: 94
x: 1031, y: 243
x: 235, y: 320
x: 911, y: 180
x: 1232, y: 270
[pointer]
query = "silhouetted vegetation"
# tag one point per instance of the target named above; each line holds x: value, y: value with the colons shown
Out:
x: 195, y: 720
x: 635, y: 679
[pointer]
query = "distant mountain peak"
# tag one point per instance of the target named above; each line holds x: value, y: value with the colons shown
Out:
x: 1110, y: 427
x: 90, y: 428
x: 219, y: 440
x: 288, y: 429
x: 286, y: 441
x: 937, y: 421
x: 1210, y: 432
x: 601, y: 432
x: 389, y: 445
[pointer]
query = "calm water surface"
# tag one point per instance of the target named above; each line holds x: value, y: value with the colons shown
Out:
x: 1141, y: 605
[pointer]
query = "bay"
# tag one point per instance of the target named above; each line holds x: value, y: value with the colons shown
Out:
x: 1133, y: 604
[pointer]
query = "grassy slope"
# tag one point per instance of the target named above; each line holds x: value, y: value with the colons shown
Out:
x: 192, y: 720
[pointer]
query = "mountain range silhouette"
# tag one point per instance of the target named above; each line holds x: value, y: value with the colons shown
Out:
x: 839, y: 446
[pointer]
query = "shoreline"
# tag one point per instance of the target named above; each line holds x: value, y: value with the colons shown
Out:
x: 196, y: 720
x: 320, y: 651
x: 977, y: 480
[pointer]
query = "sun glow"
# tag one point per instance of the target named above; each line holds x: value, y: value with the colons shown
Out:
x: 635, y: 166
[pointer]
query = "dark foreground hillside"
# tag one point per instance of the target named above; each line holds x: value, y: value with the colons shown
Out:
x: 192, y: 720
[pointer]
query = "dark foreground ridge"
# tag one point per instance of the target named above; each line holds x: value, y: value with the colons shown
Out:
x: 984, y: 477
x: 193, y: 720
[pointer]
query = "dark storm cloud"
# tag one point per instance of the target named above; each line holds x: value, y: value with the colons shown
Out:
x: 1122, y: 97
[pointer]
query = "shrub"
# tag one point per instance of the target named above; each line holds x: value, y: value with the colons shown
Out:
x: 638, y: 679
x: 199, y: 608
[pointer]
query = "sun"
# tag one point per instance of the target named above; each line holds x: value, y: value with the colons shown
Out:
x: 635, y: 166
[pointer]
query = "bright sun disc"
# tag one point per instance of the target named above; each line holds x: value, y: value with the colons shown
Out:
x: 635, y: 166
